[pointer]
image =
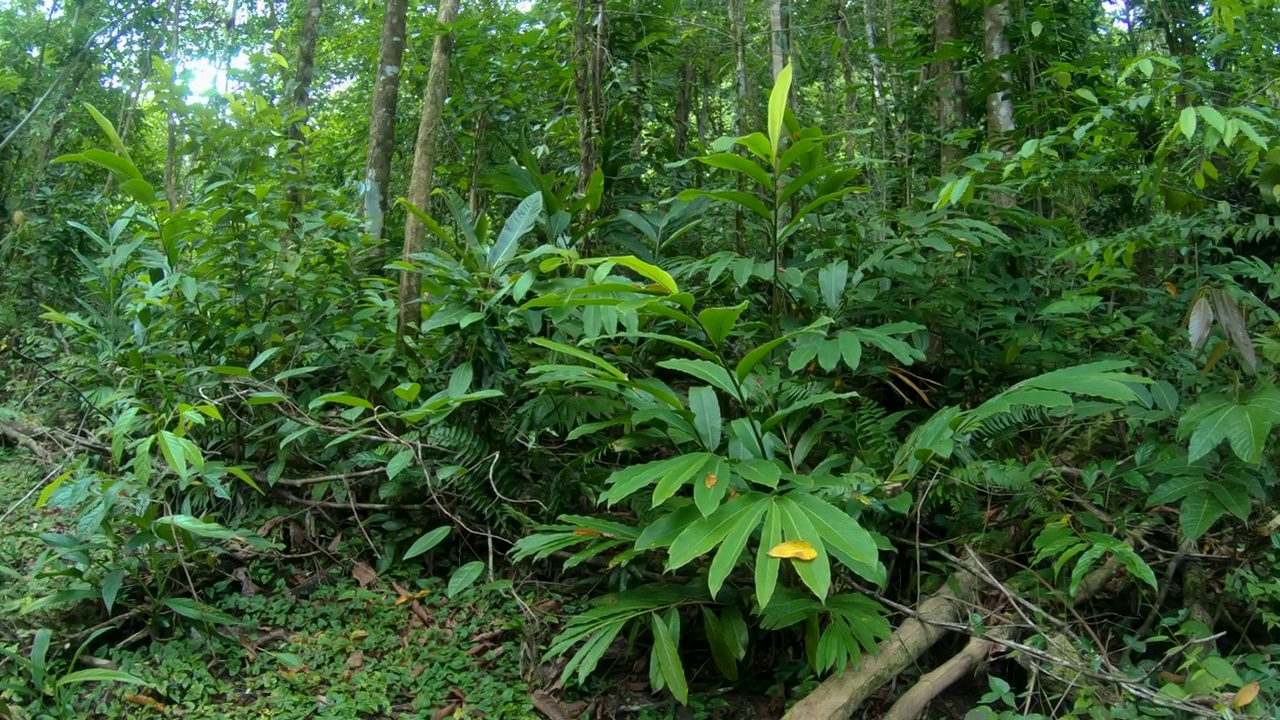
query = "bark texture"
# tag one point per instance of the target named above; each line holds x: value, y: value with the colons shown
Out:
x: 996, y: 19
x: 424, y: 157
x: 949, y: 81
x: 382, y: 124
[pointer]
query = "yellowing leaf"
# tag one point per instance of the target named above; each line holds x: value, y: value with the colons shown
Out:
x: 1171, y: 289
x: 711, y: 480
x: 794, y: 550
x: 1246, y: 695
x: 586, y: 532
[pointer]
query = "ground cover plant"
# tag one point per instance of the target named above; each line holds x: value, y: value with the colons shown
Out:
x: 781, y: 359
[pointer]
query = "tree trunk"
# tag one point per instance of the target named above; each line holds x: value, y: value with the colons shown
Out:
x: 424, y: 157
x: 684, y: 105
x: 846, y: 71
x: 171, y: 147
x: 382, y: 124
x: 996, y: 46
x: 588, y: 87
x: 877, y: 69
x: 777, y: 38
x: 302, y: 96
x: 949, y: 82
x: 738, y: 21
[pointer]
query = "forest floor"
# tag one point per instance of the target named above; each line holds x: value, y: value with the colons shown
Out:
x: 325, y: 637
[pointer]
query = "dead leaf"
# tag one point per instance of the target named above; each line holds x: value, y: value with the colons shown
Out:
x: 247, y: 587
x: 446, y: 711
x: 1171, y: 289
x: 359, y: 634
x: 1200, y: 322
x: 1232, y: 320
x: 356, y: 660
x: 794, y: 550
x: 548, y: 705
x: 1245, y: 695
x: 149, y: 702
x: 586, y: 532
x: 364, y: 574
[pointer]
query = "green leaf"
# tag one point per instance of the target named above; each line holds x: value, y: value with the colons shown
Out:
x: 832, y: 281
x: 664, y: 648
x: 648, y: 270
x: 108, y: 129
x: 705, y: 371
x: 850, y: 349
x: 199, y: 611
x: 464, y: 577
x: 746, y: 200
x: 399, y: 462
x: 1187, y: 121
x: 767, y: 567
x: 710, y: 489
x: 760, y: 471
x: 623, y: 483
x: 721, y: 652
x: 1200, y: 510
x: 679, y: 473
x: 741, y: 165
x: 101, y: 675
x: 198, y: 527
x: 341, y: 398
x: 595, y: 190
x: 407, y: 392
x: 705, y: 533
x: 581, y: 355
x: 1233, y: 497
x: 718, y: 322
x: 1214, y: 118
x: 851, y: 545
x: 778, y: 108
x: 705, y: 405
x: 816, y: 573
x: 262, y: 357
x: 520, y: 221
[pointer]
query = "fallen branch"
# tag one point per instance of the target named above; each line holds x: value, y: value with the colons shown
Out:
x: 913, y: 702
x: 838, y: 696
x: 25, y: 440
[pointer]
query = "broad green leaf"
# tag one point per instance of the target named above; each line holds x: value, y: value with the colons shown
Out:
x: 704, y: 534
x: 712, y: 486
x: 623, y: 483
x: 1187, y: 121
x: 1214, y: 118
x: 108, y: 128
x: 852, y: 545
x: 705, y: 371
x: 759, y: 471
x: 832, y: 281
x: 648, y: 270
x: 198, y: 527
x: 111, y: 588
x: 746, y: 200
x: 399, y: 462
x: 680, y: 472
x: 464, y: 577
x: 595, y: 190
x: 664, y: 648
x: 718, y: 322
x: 1199, y: 512
x: 778, y: 108
x: 341, y: 398
x: 581, y: 355
x: 519, y: 223
x: 815, y: 573
x: 850, y: 349
x: 705, y: 405
x: 199, y: 611
x: 262, y: 357
x: 407, y: 392
x: 741, y: 165
x: 767, y: 567
x: 721, y: 652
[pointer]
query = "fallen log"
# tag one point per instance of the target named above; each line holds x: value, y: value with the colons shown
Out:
x: 840, y: 695
x: 913, y: 702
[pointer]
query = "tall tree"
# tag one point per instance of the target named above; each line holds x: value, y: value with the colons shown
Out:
x: 777, y: 37
x: 382, y: 124
x: 588, y: 49
x: 996, y: 19
x: 424, y: 158
x: 949, y: 82
x: 171, y: 146
x: 302, y: 91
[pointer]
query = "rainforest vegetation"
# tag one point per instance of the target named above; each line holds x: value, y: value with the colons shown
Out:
x: 803, y: 359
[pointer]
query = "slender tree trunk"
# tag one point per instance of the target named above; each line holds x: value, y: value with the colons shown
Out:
x: 382, y: 124
x: 171, y: 147
x: 477, y: 161
x: 687, y: 76
x: 588, y: 86
x: 996, y: 46
x: 777, y: 37
x: 877, y: 68
x: 846, y: 71
x: 949, y: 82
x: 302, y: 95
x: 424, y: 157
x: 742, y: 104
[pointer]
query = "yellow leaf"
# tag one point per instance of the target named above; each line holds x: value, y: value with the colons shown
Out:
x: 1245, y: 695
x: 711, y: 480
x: 1171, y: 289
x: 794, y: 549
